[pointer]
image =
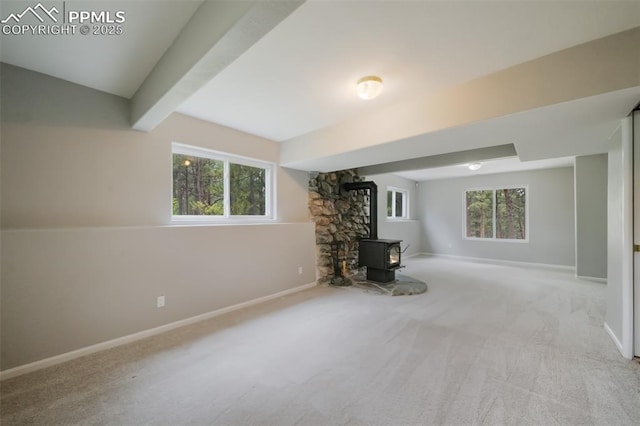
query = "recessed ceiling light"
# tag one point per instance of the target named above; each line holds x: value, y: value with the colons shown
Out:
x: 474, y: 166
x: 369, y: 87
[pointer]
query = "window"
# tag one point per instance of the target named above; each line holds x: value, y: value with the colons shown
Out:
x: 213, y: 185
x: 496, y: 213
x: 397, y: 203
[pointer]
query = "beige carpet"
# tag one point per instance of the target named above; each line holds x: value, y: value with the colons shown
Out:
x: 485, y: 345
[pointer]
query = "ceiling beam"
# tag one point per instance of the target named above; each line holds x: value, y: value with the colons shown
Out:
x: 217, y: 34
x: 598, y: 67
x: 442, y: 160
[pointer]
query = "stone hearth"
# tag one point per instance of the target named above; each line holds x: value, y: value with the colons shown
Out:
x: 403, y: 285
x: 341, y: 217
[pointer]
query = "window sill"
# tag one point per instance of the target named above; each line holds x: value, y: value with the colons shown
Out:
x: 496, y: 240
x: 209, y: 221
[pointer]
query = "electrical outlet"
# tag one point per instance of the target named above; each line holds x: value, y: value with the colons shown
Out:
x: 299, y: 270
x: 160, y: 302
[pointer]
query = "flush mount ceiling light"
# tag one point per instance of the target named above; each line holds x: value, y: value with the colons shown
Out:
x: 474, y: 166
x: 369, y: 87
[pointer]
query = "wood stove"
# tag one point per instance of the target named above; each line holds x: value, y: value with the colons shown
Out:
x: 381, y: 257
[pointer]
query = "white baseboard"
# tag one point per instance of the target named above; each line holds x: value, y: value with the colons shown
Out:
x: 594, y: 279
x: 58, y: 359
x: 614, y: 338
x: 546, y: 266
x: 409, y: 256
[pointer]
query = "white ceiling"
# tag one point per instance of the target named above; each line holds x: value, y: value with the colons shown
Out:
x: 116, y: 64
x: 581, y: 127
x: 301, y: 76
x: 501, y: 165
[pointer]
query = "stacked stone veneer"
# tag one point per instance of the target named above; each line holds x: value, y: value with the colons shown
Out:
x: 340, y: 216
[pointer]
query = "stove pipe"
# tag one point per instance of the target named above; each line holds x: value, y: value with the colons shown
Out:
x: 373, y: 203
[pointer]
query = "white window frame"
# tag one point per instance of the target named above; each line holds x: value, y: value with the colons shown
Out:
x: 183, y: 149
x: 494, y: 238
x: 405, y: 203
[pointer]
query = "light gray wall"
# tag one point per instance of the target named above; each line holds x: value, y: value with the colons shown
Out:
x: 64, y: 289
x: 620, y: 280
x: 615, y: 209
x: 69, y: 158
x: 406, y: 230
x: 87, y: 243
x: 591, y: 215
x: 551, y: 217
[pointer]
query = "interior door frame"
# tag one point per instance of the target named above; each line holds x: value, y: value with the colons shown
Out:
x: 630, y: 273
x: 633, y: 319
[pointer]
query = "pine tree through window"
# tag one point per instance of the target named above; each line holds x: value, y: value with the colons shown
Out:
x: 247, y: 190
x: 497, y: 213
x: 217, y: 185
x: 480, y: 214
